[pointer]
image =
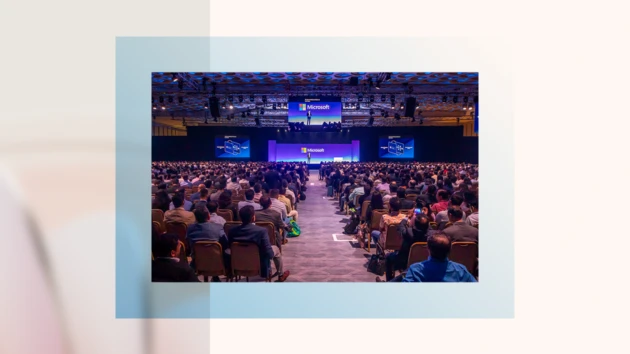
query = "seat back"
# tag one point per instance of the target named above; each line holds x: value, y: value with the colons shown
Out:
x: 405, y: 211
x: 271, y: 230
x: 157, y: 227
x: 433, y: 225
x: 238, y: 198
x: 226, y: 214
x: 229, y: 225
x: 177, y: 228
x: 209, y: 258
x: 465, y: 253
x: 245, y: 259
x: 182, y: 253
x: 158, y: 215
x: 418, y: 252
x: 364, y: 209
x: 393, y: 239
x: 411, y: 197
x: 377, y: 214
x: 448, y: 224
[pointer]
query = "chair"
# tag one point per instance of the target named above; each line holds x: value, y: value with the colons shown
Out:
x: 412, y: 197
x: 375, y: 223
x: 448, y: 224
x: 158, y: 215
x: 209, y: 259
x: 238, y: 198
x: 179, y: 229
x: 405, y: 211
x: 182, y: 253
x: 433, y: 225
x: 465, y: 253
x: 271, y: 230
x: 229, y: 225
x: 226, y: 214
x: 392, y: 240
x: 418, y: 252
x: 157, y: 227
x: 364, y: 209
x: 245, y: 260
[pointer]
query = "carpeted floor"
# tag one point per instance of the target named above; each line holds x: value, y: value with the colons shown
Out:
x: 317, y: 256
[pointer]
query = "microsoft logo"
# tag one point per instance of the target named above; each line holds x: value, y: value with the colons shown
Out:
x: 304, y: 150
x: 302, y: 106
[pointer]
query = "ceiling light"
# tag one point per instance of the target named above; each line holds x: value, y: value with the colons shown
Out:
x: 154, y: 107
x: 205, y: 106
x: 231, y: 106
x: 163, y: 107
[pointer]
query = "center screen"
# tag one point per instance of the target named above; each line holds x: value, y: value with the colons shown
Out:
x: 231, y: 147
x: 313, y: 153
x: 320, y: 110
x: 395, y: 147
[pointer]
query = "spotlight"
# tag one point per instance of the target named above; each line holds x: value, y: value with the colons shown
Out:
x: 180, y: 99
x: 205, y: 106
x: 252, y: 98
x: 231, y: 106
x: 175, y: 78
x: 402, y: 106
x: 444, y: 99
x: 464, y: 108
x: 154, y: 107
x: 378, y: 85
x: 240, y: 98
x: 163, y: 107
x: 455, y: 98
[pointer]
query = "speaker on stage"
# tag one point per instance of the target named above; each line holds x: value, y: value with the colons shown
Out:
x: 410, y: 107
x: 214, y: 107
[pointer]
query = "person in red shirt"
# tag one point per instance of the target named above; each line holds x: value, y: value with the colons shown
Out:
x: 442, y: 203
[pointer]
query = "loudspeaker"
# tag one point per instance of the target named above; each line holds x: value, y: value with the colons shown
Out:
x: 354, y: 81
x: 410, y: 107
x: 214, y: 107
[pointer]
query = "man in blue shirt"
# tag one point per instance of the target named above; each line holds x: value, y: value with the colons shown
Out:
x: 438, y: 268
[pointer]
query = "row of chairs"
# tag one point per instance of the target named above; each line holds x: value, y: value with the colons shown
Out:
x: 465, y: 253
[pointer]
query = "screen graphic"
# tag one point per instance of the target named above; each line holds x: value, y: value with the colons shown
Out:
x: 320, y: 109
x: 231, y: 147
x: 396, y: 147
x: 317, y: 152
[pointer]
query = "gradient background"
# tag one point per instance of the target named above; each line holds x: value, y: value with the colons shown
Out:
x: 219, y: 143
x: 383, y: 150
x: 293, y: 152
x: 74, y: 144
x: 318, y: 116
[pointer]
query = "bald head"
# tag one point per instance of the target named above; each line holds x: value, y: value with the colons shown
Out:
x: 439, y: 245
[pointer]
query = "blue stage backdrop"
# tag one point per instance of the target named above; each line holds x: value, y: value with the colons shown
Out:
x: 319, y: 152
x: 396, y: 147
x: 322, y: 109
x: 231, y: 147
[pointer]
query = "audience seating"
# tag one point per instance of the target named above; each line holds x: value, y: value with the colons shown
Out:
x: 238, y: 198
x: 374, y: 225
x: 182, y: 253
x: 157, y: 227
x: 364, y: 207
x: 229, y: 225
x: 411, y: 197
x: 158, y: 215
x: 418, y: 252
x: 245, y: 260
x: 448, y: 224
x: 271, y: 230
x: 226, y: 214
x: 244, y: 186
x: 465, y: 253
x: 177, y: 228
x: 392, y: 240
x: 209, y: 259
x: 433, y: 225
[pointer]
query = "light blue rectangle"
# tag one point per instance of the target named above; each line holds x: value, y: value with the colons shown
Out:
x: 137, y: 297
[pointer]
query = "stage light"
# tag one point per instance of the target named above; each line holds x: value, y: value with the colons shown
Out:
x: 205, y: 106
x: 455, y: 99
x: 231, y: 106
x: 175, y: 78
x: 402, y: 106
x: 444, y: 99
x: 154, y: 107
x: 163, y: 107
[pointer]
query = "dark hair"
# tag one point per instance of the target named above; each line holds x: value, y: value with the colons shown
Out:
x: 439, y: 246
x: 457, y: 214
x: 265, y: 202
x: 282, y: 190
x: 225, y: 199
x: 421, y: 226
x: 274, y: 193
x: 233, y: 179
x: 257, y: 188
x: 201, y: 214
x: 164, y: 245
x: 212, y: 206
x: 377, y: 201
x: 394, y: 204
x: 177, y: 201
x: 456, y: 200
x: 246, y: 214
x: 393, y: 187
x: 162, y: 186
x: 249, y: 194
x: 203, y: 193
x: 400, y: 193
x: 443, y: 194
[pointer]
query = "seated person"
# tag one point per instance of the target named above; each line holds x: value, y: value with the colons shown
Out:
x: 269, y: 215
x: 442, y: 201
x: 412, y: 231
x: 248, y: 232
x: 233, y: 185
x: 225, y: 203
x: 178, y: 213
x: 167, y: 267
x: 394, y: 217
x: 282, y: 197
x: 393, y: 192
x: 214, y: 218
x: 473, y: 206
x: 438, y: 268
x: 404, y: 203
x: 257, y: 192
x: 249, y: 200
x: 196, y: 196
x: 203, y: 198
x: 204, y: 230
x: 455, y: 202
x: 460, y: 231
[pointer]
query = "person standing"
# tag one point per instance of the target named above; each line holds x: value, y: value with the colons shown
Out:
x: 308, y: 117
x: 308, y: 157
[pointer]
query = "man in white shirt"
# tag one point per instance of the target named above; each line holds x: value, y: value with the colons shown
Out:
x: 233, y: 185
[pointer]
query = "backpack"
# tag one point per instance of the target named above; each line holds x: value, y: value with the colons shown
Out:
x: 294, y: 229
x: 302, y: 196
x: 376, y: 265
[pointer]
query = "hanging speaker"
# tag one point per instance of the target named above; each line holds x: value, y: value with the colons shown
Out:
x: 214, y: 107
x: 410, y: 107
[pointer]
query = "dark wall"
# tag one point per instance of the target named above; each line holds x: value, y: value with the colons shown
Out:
x: 431, y: 143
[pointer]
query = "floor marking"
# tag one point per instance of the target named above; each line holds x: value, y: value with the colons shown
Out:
x: 335, y: 238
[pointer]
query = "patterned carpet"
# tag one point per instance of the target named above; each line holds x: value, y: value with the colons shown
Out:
x: 315, y: 256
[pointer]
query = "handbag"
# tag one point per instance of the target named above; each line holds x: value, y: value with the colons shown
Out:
x: 376, y: 265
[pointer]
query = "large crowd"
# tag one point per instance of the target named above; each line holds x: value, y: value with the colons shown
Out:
x: 230, y: 203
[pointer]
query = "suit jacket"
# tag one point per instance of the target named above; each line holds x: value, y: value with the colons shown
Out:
x: 251, y: 233
x: 462, y: 232
x: 180, y: 215
x: 170, y: 270
x: 407, y: 204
